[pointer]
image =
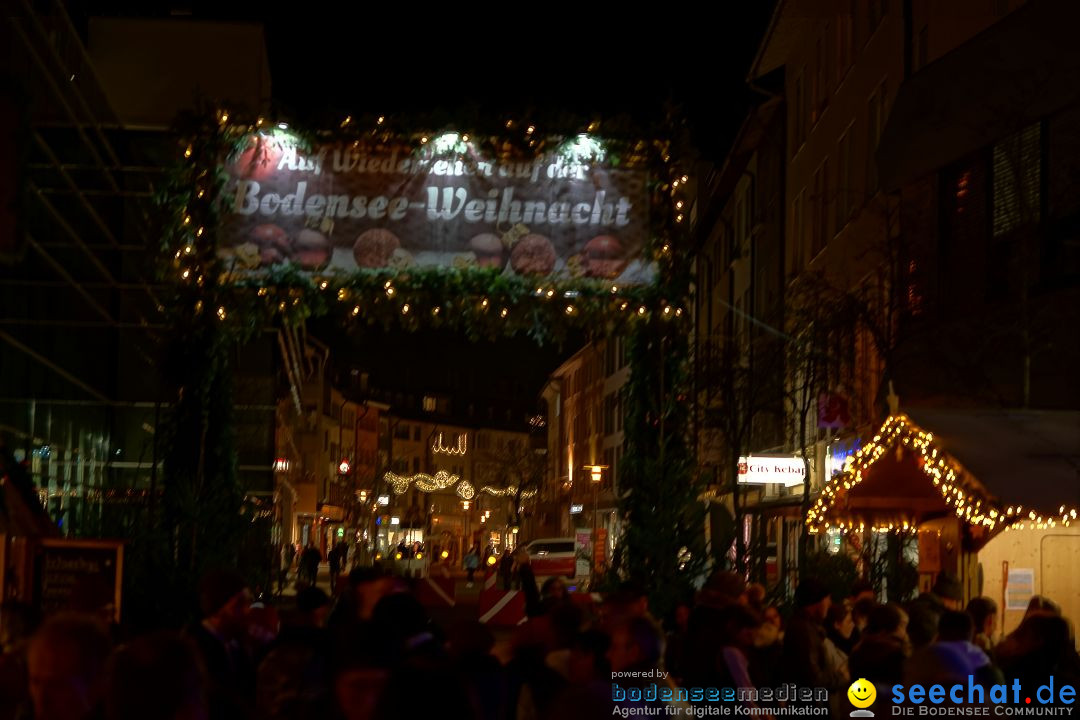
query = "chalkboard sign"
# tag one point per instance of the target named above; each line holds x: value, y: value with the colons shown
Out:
x: 78, y: 575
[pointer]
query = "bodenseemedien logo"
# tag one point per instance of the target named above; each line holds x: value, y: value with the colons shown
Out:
x: 862, y: 694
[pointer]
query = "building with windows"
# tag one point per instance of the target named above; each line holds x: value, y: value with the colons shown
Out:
x: 923, y: 242
x: 585, y: 419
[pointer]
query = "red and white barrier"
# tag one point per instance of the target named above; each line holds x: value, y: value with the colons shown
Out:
x: 436, y: 592
x: 502, y: 607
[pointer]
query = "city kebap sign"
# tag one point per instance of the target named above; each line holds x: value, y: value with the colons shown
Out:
x: 567, y: 213
x: 764, y: 470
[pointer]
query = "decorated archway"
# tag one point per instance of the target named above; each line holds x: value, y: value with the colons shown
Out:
x: 510, y: 229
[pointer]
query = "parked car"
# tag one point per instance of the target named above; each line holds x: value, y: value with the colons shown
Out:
x: 553, y: 557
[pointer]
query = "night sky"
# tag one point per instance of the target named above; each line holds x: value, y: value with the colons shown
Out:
x: 464, y: 60
x: 332, y: 58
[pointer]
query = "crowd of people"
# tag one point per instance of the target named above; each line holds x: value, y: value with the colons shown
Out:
x: 373, y: 651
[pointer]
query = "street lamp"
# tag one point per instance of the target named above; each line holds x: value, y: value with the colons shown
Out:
x: 465, y: 504
x: 595, y: 474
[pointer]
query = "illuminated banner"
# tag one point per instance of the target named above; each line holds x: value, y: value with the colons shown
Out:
x: 568, y: 213
x: 761, y: 470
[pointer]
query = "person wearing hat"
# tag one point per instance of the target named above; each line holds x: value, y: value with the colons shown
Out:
x: 926, y: 610
x: 805, y: 658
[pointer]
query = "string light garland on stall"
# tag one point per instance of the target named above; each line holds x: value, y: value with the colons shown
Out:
x: 943, y: 472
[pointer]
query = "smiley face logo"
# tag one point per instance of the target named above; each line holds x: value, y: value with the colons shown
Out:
x: 862, y: 693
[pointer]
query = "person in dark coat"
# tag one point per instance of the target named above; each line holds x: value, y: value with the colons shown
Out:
x: 527, y: 579
x: 926, y: 610
x: 293, y: 680
x: 224, y: 599
x: 65, y: 663
x: 156, y: 677
x: 309, y: 563
x: 805, y: 661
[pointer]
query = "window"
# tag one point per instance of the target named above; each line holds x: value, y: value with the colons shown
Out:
x: 429, y: 404
x: 818, y: 82
x: 401, y: 431
x: 799, y: 109
x: 415, y: 465
x: 877, y: 11
x: 823, y: 73
x: 797, y: 220
x: 921, y: 47
x: 1017, y: 180
x: 741, y: 322
x: 820, y: 209
x: 744, y: 214
x: 844, y: 43
x: 875, y: 114
x: 845, y: 178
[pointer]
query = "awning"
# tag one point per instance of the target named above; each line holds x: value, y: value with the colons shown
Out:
x: 1023, y: 457
x: 1021, y: 69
